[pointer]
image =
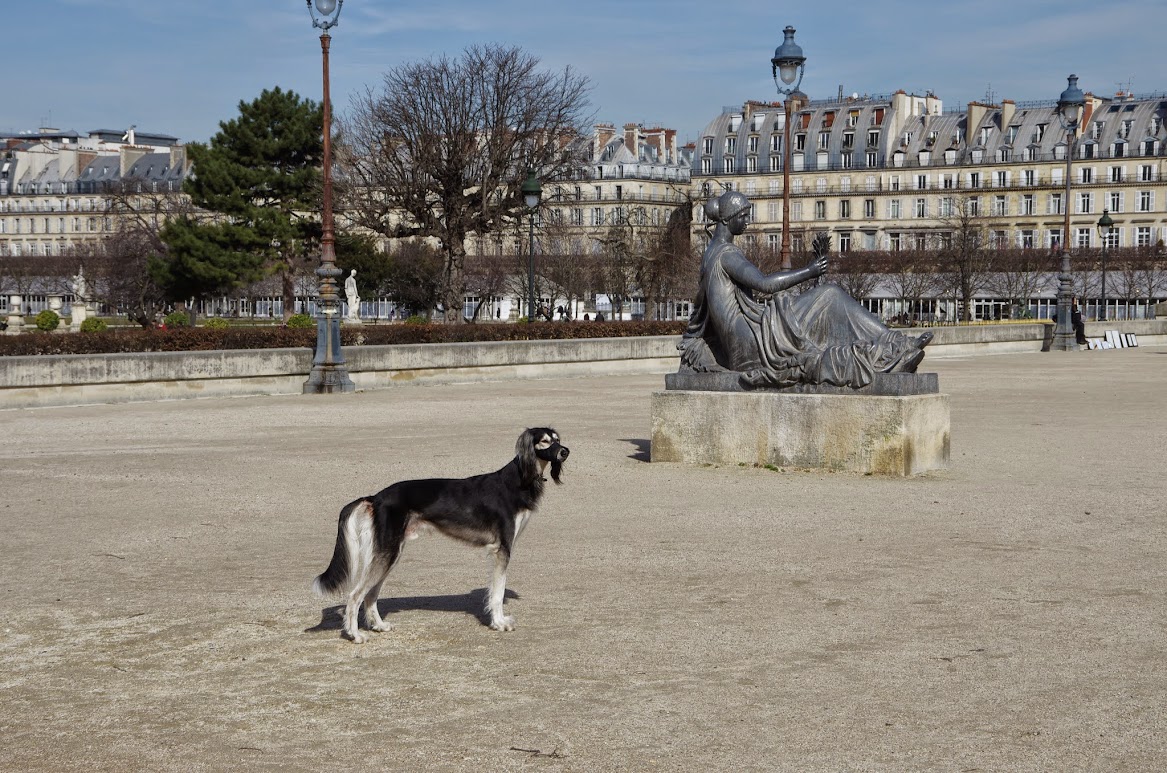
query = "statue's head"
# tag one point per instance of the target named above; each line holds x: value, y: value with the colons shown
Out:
x: 726, y: 207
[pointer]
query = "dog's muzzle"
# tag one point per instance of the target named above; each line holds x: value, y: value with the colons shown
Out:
x: 556, y: 454
x: 553, y: 453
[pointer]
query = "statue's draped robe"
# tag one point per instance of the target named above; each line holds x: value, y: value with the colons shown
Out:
x: 821, y: 336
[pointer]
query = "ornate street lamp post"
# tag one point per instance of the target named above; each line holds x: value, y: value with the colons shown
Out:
x: 1069, y: 110
x: 532, y: 195
x: 1105, y: 229
x: 788, y: 66
x: 328, y: 371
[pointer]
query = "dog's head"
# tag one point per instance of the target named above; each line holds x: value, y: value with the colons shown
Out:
x: 538, y: 447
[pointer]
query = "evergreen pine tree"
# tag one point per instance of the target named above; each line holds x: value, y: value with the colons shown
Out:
x: 258, y: 184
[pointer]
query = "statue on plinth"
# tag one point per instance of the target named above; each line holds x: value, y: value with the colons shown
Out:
x: 745, y: 321
x: 79, y: 286
x: 354, y: 300
x: 79, y: 310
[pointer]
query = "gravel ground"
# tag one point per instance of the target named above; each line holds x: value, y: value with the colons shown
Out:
x: 1006, y: 614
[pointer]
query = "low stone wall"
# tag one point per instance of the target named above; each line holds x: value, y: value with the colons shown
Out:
x: 105, y: 378
x: 969, y: 340
x: 41, y: 381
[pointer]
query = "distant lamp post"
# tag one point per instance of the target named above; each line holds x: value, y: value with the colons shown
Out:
x: 788, y: 66
x: 328, y: 371
x: 1105, y: 230
x: 532, y: 195
x: 1070, y: 106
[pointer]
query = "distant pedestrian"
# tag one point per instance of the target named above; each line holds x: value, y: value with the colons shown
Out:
x: 1078, y: 323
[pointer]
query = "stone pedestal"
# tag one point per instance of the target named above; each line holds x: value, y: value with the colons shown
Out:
x: 77, y: 314
x: 15, y: 318
x: 879, y: 433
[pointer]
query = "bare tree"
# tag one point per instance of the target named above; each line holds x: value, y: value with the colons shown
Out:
x: 671, y: 268
x: 443, y: 148
x: 31, y: 274
x: 415, y: 276
x: 120, y: 263
x: 1142, y: 272
x: 964, y: 253
x: 912, y: 275
x: 487, y: 276
x: 857, y: 273
x: 565, y: 263
x: 1020, y: 274
x: 622, y: 248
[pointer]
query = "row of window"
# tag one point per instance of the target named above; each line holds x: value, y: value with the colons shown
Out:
x: 47, y: 189
x: 48, y: 225
x: 1002, y: 178
x: 946, y: 207
x: 18, y: 249
x: 1027, y: 238
x: 1087, y: 149
x: 51, y: 205
x: 849, y: 159
x: 617, y: 192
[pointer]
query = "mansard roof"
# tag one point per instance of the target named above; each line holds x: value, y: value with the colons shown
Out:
x: 908, y: 130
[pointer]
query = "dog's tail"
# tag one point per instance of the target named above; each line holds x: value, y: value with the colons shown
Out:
x: 354, y: 544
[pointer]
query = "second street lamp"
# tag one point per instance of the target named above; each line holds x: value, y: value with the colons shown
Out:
x: 1069, y: 111
x: 532, y: 194
x: 1105, y: 230
x: 788, y: 66
x: 328, y: 372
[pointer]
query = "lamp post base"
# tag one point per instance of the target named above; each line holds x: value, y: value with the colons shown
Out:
x: 1065, y: 337
x: 328, y: 374
x: 1064, y: 342
x: 326, y: 381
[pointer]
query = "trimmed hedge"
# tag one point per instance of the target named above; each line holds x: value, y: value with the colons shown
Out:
x: 204, y: 339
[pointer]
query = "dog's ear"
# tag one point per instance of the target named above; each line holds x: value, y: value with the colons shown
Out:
x: 525, y: 456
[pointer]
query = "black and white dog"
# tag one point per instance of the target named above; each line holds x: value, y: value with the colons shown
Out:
x: 486, y: 511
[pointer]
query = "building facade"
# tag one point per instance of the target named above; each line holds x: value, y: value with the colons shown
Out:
x: 55, y: 187
x: 634, y: 178
x: 901, y: 172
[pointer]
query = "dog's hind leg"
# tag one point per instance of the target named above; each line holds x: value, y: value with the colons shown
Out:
x: 384, y: 555
x: 372, y: 614
x: 365, y: 568
x: 496, y: 593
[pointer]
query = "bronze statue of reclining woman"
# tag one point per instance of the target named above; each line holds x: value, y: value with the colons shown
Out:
x: 819, y: 336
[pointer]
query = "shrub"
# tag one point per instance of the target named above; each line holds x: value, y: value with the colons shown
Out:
x: 93, y: 325
x: 416, y: 319
x: 216, y: 323
x: 177, y: 319
x: 269, y: 337
x: 300, y: 322
x: 47, y: 321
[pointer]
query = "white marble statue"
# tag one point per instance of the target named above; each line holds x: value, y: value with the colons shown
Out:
x: 79, y: 286
x: 354, y: 300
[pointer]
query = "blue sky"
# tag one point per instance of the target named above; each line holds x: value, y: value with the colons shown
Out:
x: 180, y: 66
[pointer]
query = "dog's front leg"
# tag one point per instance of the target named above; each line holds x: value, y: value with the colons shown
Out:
x: 497, y: 592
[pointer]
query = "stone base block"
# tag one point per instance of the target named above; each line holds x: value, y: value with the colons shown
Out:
x: 884, y: 435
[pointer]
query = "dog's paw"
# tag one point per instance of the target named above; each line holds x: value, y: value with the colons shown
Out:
x: 504, y: 623
x: 358, y: 637
x: 380, y: 626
